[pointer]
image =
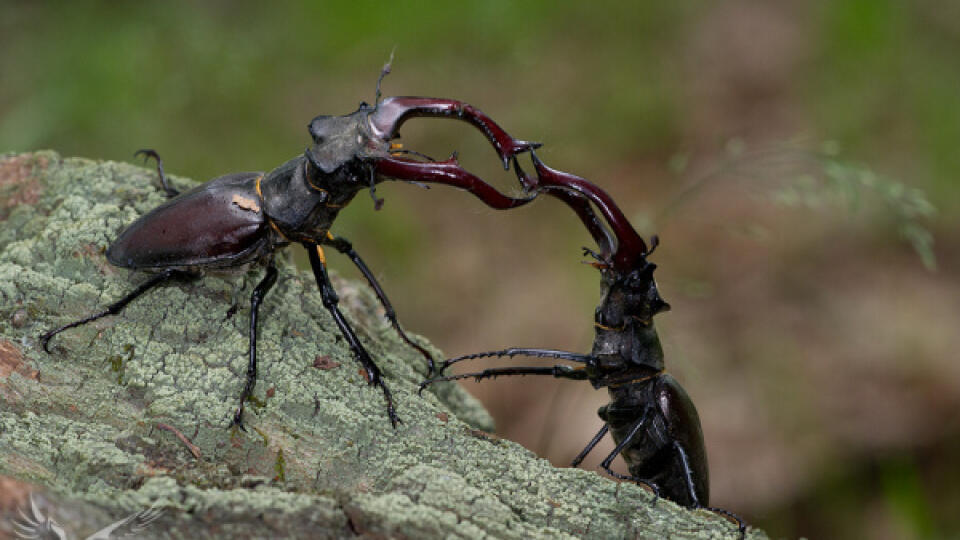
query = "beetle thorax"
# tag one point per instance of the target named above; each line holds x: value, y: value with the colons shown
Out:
x: 301, y: 202
x: 625, y: 333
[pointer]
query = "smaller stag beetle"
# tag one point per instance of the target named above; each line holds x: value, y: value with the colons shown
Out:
x: 240, y: 219
x: 652, y: 419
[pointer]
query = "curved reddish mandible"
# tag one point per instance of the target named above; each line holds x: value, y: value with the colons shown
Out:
x: 447, y: 172
x: 392, y: 112
x: 630, y: 246
x: 580, y: 205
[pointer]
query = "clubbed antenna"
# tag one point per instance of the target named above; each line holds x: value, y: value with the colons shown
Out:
x: 377, y: 201
x: 383, y: 73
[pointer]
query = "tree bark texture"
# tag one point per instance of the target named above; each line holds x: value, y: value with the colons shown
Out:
x: 133, y: 409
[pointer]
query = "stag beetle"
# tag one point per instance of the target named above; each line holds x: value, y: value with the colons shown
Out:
x: 653, y: 421
x: 242, y: 218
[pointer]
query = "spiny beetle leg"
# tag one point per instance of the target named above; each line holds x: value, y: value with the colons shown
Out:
x: 520, y: 351
x: 149, y: 153
x: 330, y: 301
x: 590, y: 445
x: 741, y: 524
x: 688, y: 473
x: 344, y: 246
x: 634, y: 430
x: 118, y: 306
x: 627, y: 478
x: 560, y: 372
x: 255, y: 300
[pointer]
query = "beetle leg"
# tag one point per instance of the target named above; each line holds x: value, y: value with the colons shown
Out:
x: 634, y: 430
x: 447, y: 172
x: 392, y: 112
x: 330, y: 301
x: 117, y: 306
x: 560, y: 372
x: 149, y: 153
x: 741, y: 524
x: 344, y: 246
x: 255, y: 300
x: 687, y: 473
x: 688, y: 477
x: 517, y: 351
x: 593, y: 442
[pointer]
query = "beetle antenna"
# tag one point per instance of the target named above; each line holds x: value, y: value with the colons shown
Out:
x: 383, y: 73
x: 377, y: 202
x: 654, y: 242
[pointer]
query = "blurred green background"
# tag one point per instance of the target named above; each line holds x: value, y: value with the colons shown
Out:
x: 776, y: 147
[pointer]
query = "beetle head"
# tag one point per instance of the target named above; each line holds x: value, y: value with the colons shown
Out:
x: 630, y: 297
x: 338, y: 140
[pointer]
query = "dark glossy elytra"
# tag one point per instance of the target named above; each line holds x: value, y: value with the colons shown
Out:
x: 243, y: 218
x: 652, y: 420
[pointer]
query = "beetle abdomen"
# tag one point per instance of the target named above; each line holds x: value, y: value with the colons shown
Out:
x: 220, y: 223
x: 683, y: 425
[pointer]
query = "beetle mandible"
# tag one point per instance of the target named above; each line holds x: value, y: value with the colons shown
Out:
x: 242, y: 218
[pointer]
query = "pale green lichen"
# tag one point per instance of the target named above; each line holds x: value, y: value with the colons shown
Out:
x: 320, y: 458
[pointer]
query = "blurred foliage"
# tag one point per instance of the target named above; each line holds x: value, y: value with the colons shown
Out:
x: 641, y: 98
x: 816, y: 181
x: 843, y: 184
x: 884, y: 80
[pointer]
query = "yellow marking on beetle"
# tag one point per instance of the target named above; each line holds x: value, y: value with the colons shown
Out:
x: 329, y: 235
x: 314, y: 186
x: 609, y: 328
x: 323, y: 258
x: 306, y: 174
x: 246, y: 203
x: 396, y: 149
x: 274, y: 225
x: 256, y: 186
x: 638, y: 380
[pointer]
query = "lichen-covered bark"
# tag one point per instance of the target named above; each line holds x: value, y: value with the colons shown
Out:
x: 78, y: 427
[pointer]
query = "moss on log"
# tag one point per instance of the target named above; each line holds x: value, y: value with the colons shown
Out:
x: 79, y: 427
